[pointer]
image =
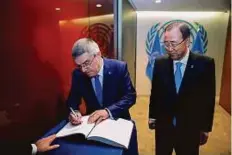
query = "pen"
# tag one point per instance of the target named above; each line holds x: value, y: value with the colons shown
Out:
x: 73, y: 112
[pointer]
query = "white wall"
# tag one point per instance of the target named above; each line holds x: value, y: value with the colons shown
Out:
x: 214, y: 23
x: 181, y: 5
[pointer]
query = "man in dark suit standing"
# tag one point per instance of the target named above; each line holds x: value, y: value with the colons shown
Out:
x: 182, y: 96
x: 104, y: 84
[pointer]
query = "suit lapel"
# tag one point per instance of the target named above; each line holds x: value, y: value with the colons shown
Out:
x: 168, y: 75
x: 106, y: 80
x: 189, y: 73
x: 171, y: 75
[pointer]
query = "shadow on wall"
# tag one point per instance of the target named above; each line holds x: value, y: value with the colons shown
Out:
x: 31, y: 93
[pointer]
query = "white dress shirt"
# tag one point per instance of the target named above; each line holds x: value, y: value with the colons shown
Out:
x: 34, y: 149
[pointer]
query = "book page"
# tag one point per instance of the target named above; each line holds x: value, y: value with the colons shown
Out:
x: 113, y: 132
x: 69, y: 129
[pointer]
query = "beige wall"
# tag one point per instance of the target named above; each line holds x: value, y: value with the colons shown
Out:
x: 214, y: 23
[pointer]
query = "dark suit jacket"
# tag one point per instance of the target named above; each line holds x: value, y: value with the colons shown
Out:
x: 193, y: 106
x: 14, y: 148
x: 118, y: 92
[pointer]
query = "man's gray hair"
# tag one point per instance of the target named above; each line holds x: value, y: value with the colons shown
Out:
x: 85, y: 45
x: 183, y: 27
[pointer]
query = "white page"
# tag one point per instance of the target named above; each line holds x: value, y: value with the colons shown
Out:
x: 70, y: 129
x: 118, y: 131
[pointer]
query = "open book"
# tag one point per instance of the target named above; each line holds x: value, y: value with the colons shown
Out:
x: 112, y: 132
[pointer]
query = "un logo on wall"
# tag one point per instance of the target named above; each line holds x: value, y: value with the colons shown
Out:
x: 103, y: 35
x: 155, y: 47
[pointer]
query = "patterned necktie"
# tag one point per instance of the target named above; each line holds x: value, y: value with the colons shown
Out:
x: 178, y: 79
x: 178, y: 76
x: 98, y: 89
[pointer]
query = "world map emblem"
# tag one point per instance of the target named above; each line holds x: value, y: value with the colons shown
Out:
x: 155, y: 46
x: 103, y: 35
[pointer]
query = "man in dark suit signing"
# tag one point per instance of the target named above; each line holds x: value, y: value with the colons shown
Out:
x: 104, y: 84
x: 182, y: 96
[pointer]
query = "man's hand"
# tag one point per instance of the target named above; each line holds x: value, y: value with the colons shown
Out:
x: 98, y: 116
x: 204, y: 137
x: 75, y: 119
x: 44, y: 144
x: 151, y: 123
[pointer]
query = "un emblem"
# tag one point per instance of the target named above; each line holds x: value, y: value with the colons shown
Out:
x: 102, y: 34
x: 155, y: 47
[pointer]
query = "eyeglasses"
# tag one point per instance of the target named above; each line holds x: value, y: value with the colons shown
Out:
x: 172, y: 44
x: 86, y: 64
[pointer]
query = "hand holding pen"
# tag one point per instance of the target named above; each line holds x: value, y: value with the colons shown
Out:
x: 74, y: 117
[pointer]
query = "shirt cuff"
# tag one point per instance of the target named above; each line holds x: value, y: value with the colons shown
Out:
x: 34, y: 149
x: 111, y: 117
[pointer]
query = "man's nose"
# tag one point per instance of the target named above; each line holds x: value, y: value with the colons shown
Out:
x: 83, y: 69
x: 170, y: 48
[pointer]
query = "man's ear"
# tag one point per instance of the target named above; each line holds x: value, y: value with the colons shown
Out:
x: 99, y: 53
x: 188, y: 41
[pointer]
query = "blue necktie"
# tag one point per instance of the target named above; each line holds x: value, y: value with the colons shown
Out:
x: 178, y: 76
x: 98, y: 89
x: 178, y: 79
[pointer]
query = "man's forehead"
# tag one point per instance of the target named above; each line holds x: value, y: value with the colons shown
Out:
x: 82, y: 58
x: 173, y: 35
